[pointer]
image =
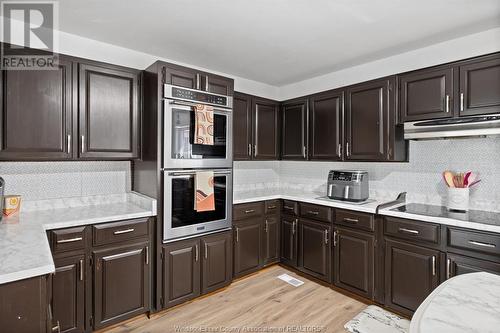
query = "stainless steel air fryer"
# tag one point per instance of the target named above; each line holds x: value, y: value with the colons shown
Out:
x: 348, y: 185
x: 2, y: 189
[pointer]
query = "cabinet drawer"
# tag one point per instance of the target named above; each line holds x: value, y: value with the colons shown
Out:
x: 272, y: 206
x: 413, y: 230
x: 321, y: 213
x: 356, y: 220
x: 107, y: 233
x: 243, y: 211
x: 474, y: 241
x: 68, y: 239
x: 290, y: 207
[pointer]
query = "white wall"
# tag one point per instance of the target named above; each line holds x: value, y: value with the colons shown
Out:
x: 452, y: 50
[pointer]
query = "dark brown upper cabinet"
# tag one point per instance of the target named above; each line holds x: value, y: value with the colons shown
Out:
x: 37, y: 113
x: 479, y: 91
x: 426, y: 94
x: 367, y: 119
x: 108, y: 112
x: 242, y: 127
x: 265, y: 129
x: 325, y: 126
x: 193, y: 79
x: 294, y: 116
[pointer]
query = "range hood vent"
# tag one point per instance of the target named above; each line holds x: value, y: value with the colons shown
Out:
x: 477, y: 126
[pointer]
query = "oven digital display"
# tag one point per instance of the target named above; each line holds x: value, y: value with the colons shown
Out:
x: 198, y: 96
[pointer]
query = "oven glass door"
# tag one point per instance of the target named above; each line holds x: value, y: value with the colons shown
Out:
x: 180, y: 149
x: 181, y: 219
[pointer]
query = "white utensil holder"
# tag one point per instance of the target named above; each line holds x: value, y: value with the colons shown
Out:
x: 458, y: 199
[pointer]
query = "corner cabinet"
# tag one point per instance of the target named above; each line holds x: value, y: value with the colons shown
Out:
x: 294, y: 115
x: 242, y: 127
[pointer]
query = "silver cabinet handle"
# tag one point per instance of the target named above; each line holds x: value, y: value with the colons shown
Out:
x: 206, y: 82
x: 81, y: 269
x: 57, y: 328
x: 293, y: 226
x: 447, y: 102
x: 312, y: 212
x: 288, y: 207
x: 409, y: 231
x: 255, y: 150
x: 147, y: 255
x: 83, y: 143
x: 206, y: 251
x: 266, y: 227
x: 196, y: 252
x: 492, y: 246
x: 304, y: 151
x: 249, y: 149
x: 461, y: 101
x: 347, y: 151
x: 198, y: 81
x: 271, y: 207
x: 340, y: 150
x: 237, y: 234
x: 448, y: 268
x: 248, y: 211
x: 69, y: 143
x: 350, y: 220
x: 69, y: 240
x: 126, y: 231
x: 433, y: 265
x: 335, y: 237
x: 326, y: 236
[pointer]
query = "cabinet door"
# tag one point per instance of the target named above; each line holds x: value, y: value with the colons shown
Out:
x: 426, y: 94
x: 109, y: 112
x: 325, y: 126
x: 218, y: 84
x: 242, y: 127
x: 36, y: 113
x: 458, y: 265
x: 315, y: 249
x: 247, y: 246
x: 480, y: 86
x: 294, y: 130
x: 265, y: 129
x: 354, y: 255
x: 68, y: 293
x: 216, y: 262
x: 182, y: 76
x: 181, y: 271
x: 121, y: 283
x: 367, y: 116
x: 288, y: 253
x: 271, y: 243
x: 412, y: 273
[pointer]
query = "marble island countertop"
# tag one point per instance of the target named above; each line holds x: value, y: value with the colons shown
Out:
x: 24, y: 248
x: 465, y: 303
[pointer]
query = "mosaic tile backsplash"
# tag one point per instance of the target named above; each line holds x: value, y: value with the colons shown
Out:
x: 420, y: 177
x: 54, y: 180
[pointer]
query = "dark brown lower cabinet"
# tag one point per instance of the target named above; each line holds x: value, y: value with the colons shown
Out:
x: 458, y: 265
x: 216, y: 264
x: 24, y: 306
x: 271, y: 239
x: 247, y: 246
x: 288, y: 253
x: 121, y: 283
x: 68, y: 293
x: 315, y: 249
x: 181, y: 271
x: 354, y: 258
x: 411, y: 274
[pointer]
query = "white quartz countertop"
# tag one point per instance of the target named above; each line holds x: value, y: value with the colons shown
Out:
x: 24, y: 248
x: 465, y: 303
x: 302, y: 196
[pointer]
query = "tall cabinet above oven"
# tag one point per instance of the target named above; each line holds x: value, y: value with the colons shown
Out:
x: 169, y: 162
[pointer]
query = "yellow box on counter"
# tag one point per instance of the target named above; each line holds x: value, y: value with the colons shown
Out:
x: 11, y: 205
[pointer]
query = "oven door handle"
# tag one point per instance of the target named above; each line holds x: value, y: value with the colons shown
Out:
x: 192, y: 105
x: 193, y: 172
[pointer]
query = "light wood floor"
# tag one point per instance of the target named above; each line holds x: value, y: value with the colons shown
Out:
x: 259, y: 301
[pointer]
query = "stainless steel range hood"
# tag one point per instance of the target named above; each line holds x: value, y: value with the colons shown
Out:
x: 453, y: 128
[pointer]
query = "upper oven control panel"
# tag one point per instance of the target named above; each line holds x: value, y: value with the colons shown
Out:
x: 197, y: 96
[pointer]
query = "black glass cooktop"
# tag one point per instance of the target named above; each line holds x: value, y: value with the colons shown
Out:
x: 475, y: 216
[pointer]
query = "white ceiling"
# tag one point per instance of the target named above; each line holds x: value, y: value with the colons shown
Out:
x: 276, y: 41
